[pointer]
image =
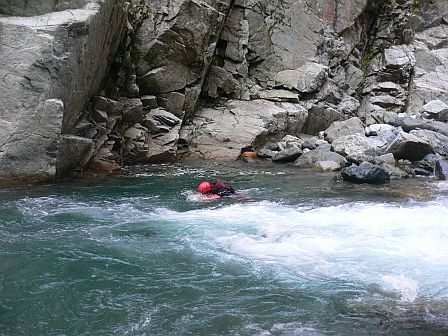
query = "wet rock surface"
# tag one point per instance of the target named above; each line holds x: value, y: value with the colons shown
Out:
x: 369, y: 174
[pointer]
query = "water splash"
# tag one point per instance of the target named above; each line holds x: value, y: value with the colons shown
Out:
x: 402, y: 249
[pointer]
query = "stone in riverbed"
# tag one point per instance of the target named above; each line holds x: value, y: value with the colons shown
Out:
x: 369, y: 174
x: 376, y: 129
x: 358, y: 148
x: 409, y: 147
x: 310, y: 158
x: 327, y: 166
x: 429, y: 162
x: 441, y: 171
x: 386, y: 158
x: 290, y: 141
x: 265, y: 153
x: 287, y: 155
x: 394, y: 172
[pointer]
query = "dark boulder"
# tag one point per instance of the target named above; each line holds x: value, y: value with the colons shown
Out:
x: 409, y: 147
x: 287, y: 155
x: 265, y: 153
x: 370, y: 174
x: 441, y: 170
x: 429, y: 162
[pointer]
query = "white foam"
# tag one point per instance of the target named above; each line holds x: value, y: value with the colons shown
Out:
x: 443, y: 185
x: 408, y: 288
x: 192, y: 196
x: 398, y: 248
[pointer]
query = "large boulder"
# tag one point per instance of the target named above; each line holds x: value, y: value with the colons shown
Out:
x: 163, y: 147
x: 77, y: 151
x: 309, y: 159
x: 358, y: 148
x: 408, y: 124
x: 164, y: 128
x: 165, y: 79
x: 441, y: 170
x: 135, y: 147
x: 342, y: 128
x: 30, y: 147
x: 50, y: 65
x: 320, y: 117
x: 327, y: 166
x: 160, y: 121
x: 399, y: 61
x: 438, y: 141
x: 409, y: 147
x: 369, y: 174
x: 436, y: 109
x: 220, y: 133
x: 287, y: 155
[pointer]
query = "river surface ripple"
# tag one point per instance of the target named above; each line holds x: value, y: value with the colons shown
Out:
x: 296, y: 253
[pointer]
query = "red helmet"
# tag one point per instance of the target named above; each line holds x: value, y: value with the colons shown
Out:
x: 205, y: 187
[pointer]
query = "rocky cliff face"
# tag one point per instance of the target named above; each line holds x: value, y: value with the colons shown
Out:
x: 50, y: 65
x: 84, y: 87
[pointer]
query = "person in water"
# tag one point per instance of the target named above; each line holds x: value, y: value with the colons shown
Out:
x: 216, y: 188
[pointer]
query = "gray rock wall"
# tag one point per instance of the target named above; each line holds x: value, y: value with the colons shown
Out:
x: 430, y: 46
x: 175, y: 46
x: 188, y: 73
x: 50, y: 65
x: 39, y: 7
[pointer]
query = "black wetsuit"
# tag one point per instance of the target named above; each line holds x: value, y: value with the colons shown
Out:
x: 221, y: 188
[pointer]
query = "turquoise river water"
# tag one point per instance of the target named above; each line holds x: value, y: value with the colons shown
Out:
x: 296, y: 253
